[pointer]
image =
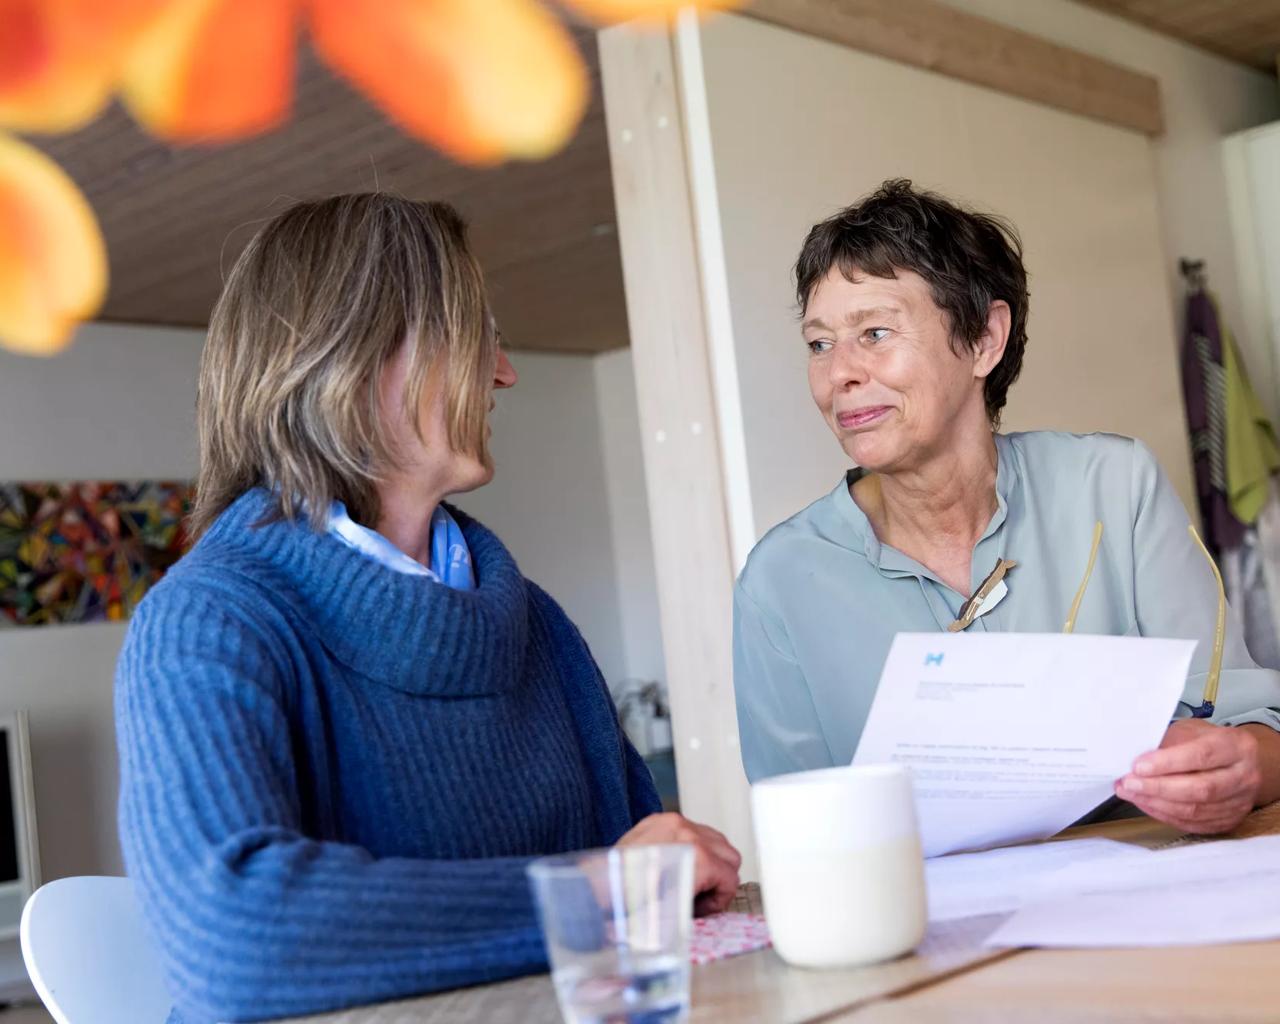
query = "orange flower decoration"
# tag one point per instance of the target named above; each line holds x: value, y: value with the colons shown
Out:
x: 53, y: 265
x: 60, y: 60
x: 482, y: 80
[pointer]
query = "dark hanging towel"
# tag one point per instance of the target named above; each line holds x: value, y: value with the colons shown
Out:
x: 1205, y: 394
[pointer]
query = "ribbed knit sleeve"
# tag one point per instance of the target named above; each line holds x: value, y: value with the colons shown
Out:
x: 252, y: 919
x: 601, y: 733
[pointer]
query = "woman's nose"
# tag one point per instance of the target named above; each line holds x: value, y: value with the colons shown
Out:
x: 504, y: 375
x: 848, y: 367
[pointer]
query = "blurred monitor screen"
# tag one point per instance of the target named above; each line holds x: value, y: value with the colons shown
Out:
x: 19, y: 860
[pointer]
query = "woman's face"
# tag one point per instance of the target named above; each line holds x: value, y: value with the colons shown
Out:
x: 429, y: 462
x: 883, y: 373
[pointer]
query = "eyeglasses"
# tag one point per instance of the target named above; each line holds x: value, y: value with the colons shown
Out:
x: 1210, y: 693
x: 973, y: 607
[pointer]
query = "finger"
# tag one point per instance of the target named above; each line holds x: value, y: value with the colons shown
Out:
x: 1179, y: 824
x: 1171, y: 812
x: 725, y: 894
x: 711, y: 833
x: 1191, y: 817
x: 726, y: 878
x: 714, y: 901
x: 1206, y: 787
x: 714, y: 875
x: 723, y: 849
x: 707, y: 904
x: 696, y: 833
x: 1209, y: 750
x: 1194, y: 818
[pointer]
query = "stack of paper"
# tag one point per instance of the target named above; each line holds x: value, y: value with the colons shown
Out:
x: 1001, y: 881
x: 1099, y: 893
x: 1215, y: 892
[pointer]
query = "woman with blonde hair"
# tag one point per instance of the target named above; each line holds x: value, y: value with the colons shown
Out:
x: 346, y: 720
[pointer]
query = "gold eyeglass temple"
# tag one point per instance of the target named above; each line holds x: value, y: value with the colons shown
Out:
x: 1210, y: 697
x: 1220, y: 633
x: 1070, y: 626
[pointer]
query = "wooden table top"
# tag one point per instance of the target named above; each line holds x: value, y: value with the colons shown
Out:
x: 950, y: 979
x: 1230, y: 984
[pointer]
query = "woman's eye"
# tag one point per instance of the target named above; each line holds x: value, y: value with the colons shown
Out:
x: 819, y: 347
x: 877, y: 334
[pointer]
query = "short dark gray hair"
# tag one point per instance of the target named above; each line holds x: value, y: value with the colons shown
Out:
x: 969, y: 260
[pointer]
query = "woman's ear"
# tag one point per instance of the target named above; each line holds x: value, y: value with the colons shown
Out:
x: 988, y: 349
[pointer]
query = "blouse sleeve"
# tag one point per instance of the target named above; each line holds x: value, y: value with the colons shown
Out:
x: 777, y: 723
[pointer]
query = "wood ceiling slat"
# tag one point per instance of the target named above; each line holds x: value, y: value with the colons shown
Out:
x: 175, y: 217
x: 565, y: 304
x: 1203, y: 17
x: 1247, y: 31
x: 1218, y: 27
x: 1254, y: 29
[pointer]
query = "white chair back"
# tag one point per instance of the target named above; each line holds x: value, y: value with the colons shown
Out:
x: 89, y: 954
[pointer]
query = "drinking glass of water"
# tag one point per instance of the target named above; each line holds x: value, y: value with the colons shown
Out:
x: 617, y: 924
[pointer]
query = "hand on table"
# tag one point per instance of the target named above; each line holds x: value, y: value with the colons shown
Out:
x: 1204, y: 778
x: 716, y: 862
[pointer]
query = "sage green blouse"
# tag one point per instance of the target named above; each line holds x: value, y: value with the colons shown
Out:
x: 821, y: 598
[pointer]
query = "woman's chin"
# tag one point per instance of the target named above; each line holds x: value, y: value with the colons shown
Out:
x: 868, y: 452
x: 470, y: 477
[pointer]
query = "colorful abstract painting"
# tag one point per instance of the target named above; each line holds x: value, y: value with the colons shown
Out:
x: 85, y: 552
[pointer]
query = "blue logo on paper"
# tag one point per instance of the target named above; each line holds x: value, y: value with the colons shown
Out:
x: 932, y: 659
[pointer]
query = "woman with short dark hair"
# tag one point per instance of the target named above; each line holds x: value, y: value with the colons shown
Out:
x: 346, y: 720
x: 914, y: 313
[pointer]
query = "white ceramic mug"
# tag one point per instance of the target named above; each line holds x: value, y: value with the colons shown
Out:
x: 840, y: 865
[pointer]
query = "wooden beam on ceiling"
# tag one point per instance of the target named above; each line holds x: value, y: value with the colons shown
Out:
x: 1246, y: 31
x: 934, y: 36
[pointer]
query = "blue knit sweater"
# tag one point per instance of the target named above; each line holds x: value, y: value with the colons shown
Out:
x: 334, y: 774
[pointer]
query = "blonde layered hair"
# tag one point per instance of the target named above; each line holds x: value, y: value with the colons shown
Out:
x: 313, y: 310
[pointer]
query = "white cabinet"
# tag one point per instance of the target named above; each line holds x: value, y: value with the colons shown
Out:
x: 1252, y: 161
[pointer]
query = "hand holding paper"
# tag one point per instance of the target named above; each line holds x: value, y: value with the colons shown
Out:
x: 1203, y: 779
x: 1014, y: 736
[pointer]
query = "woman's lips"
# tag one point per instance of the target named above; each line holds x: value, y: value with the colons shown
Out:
x: 861, y: 417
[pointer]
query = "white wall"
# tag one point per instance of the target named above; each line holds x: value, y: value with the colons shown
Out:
x: 549, y: 499
x: 637, y: 600
x: 1205, y: 97
x: 569, y: 500
x: 1252, y: 164
x: 1102, y: 349
x: 63, y: 677
x: 119, y: 404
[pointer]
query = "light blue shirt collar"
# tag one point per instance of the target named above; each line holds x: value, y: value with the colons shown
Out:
x: 891, y: 562
x: 450, y: 556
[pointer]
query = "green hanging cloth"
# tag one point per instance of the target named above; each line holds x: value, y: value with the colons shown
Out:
x: 1252, y: 452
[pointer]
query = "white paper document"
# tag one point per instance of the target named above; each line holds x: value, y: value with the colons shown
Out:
x: 1226, y: 891
x: 1001, y: 881
x: 1014, y: 736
